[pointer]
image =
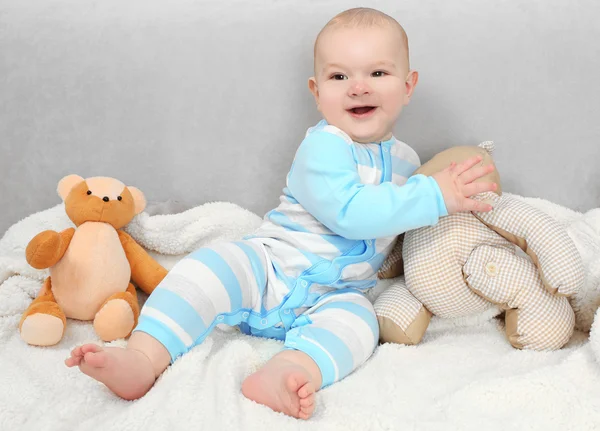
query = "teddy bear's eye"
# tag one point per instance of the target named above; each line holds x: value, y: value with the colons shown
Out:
x: 89, y: 192
x: 120, y: 198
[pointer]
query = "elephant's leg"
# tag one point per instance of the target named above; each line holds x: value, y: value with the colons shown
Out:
x: 402, y: 318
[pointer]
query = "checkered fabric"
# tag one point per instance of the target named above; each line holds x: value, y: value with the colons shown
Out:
x: 535, y: 318
x: 435, y: 258
x: 558, y: 260
x: 393, y: 266
x: 398, y: 304
x: 433, y: 261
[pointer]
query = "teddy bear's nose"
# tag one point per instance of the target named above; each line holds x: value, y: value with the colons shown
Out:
x: 105, y: 199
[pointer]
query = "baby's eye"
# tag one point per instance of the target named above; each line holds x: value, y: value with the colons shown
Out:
x: 378, y: 74
x: 338, y: 77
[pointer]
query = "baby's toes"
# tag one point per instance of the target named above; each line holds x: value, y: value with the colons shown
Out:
x: 86, y: 348
x: 307, y: 402
x: 76, y: 351
x: 73, y: 361
x: 75, y: 358
x: 96, y: 359
x: 306, y: 411
x: 306, y: 391
x: 303, y: 415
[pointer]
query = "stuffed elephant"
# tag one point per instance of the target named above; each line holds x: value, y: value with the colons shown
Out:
x: 470, y: 262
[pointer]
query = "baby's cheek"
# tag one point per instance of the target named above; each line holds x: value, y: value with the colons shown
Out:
x: 394, y: 101
x: 331, y: 107
x: 331, y: 99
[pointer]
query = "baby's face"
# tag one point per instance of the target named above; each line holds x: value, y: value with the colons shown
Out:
x: 360, y: 82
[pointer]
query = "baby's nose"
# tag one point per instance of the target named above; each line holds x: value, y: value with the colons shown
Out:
x: 359, y: 88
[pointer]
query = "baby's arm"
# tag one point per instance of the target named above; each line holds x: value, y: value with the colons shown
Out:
x: 325, y: 181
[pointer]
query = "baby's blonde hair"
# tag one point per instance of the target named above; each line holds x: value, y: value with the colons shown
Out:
x: 361, y: 17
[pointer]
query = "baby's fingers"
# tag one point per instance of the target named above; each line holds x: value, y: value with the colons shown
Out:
x: 475, y: 173
x: 476, y: 188
x: 467, y: 164
x: 476, y: 206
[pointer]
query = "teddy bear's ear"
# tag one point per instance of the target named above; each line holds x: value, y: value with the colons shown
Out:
x: 138, y: 198
x: 66, y: 185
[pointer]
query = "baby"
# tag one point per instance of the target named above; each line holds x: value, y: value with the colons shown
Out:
x: 301, y: 277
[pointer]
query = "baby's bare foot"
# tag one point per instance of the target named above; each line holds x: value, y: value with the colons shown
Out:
x: 126, y: 372
x: 283, y: 386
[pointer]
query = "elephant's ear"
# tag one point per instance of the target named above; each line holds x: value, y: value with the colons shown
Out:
x: 461, y: 153
x: 541, y: 237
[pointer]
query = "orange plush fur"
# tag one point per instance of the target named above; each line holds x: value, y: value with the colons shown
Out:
x: 91, y: 266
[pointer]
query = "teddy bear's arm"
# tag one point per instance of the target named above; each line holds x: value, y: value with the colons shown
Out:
x: 48, y: 247
x: 146, y: 273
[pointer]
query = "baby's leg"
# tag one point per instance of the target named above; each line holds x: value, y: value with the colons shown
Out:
x: 210, y: 286
x: 325, y: 344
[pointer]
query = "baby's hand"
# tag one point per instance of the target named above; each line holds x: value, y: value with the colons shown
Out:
x: 456, y: 183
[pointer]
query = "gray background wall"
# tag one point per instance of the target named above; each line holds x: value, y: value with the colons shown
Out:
x: 198, y: 101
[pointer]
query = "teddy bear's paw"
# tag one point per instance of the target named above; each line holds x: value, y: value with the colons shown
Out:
x: 42, y: 250
x: 42, y: 329
x: 114, y: 320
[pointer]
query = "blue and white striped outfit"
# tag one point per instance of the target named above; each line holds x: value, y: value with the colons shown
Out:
x: 301, y: 276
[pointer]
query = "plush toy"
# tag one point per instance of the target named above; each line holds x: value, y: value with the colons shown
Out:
x: 470, y: 262
x: 91, y: 266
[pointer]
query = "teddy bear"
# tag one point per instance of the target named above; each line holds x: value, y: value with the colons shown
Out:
x: 91, y: 265
x: 514, y: 258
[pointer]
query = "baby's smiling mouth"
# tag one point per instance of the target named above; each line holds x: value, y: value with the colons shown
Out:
x: 361, y: 111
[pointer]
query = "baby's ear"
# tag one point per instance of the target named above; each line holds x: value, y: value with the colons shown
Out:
x: 66, y: 185
x: 138, y: 198
x: 314, y: 89
x: 411, y: 83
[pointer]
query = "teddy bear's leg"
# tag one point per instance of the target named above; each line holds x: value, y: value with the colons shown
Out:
x: 535, y: 319
x: 43, y: 323
x: 118, y: 315
x: 402, y: 318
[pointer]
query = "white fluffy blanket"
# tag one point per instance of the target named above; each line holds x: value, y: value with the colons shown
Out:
x: 463, y: 376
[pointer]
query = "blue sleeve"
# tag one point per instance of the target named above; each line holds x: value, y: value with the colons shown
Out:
x: 324, y: 179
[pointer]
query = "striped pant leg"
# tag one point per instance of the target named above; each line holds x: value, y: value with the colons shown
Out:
x: 339, y: 333
x: 220, y: 284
